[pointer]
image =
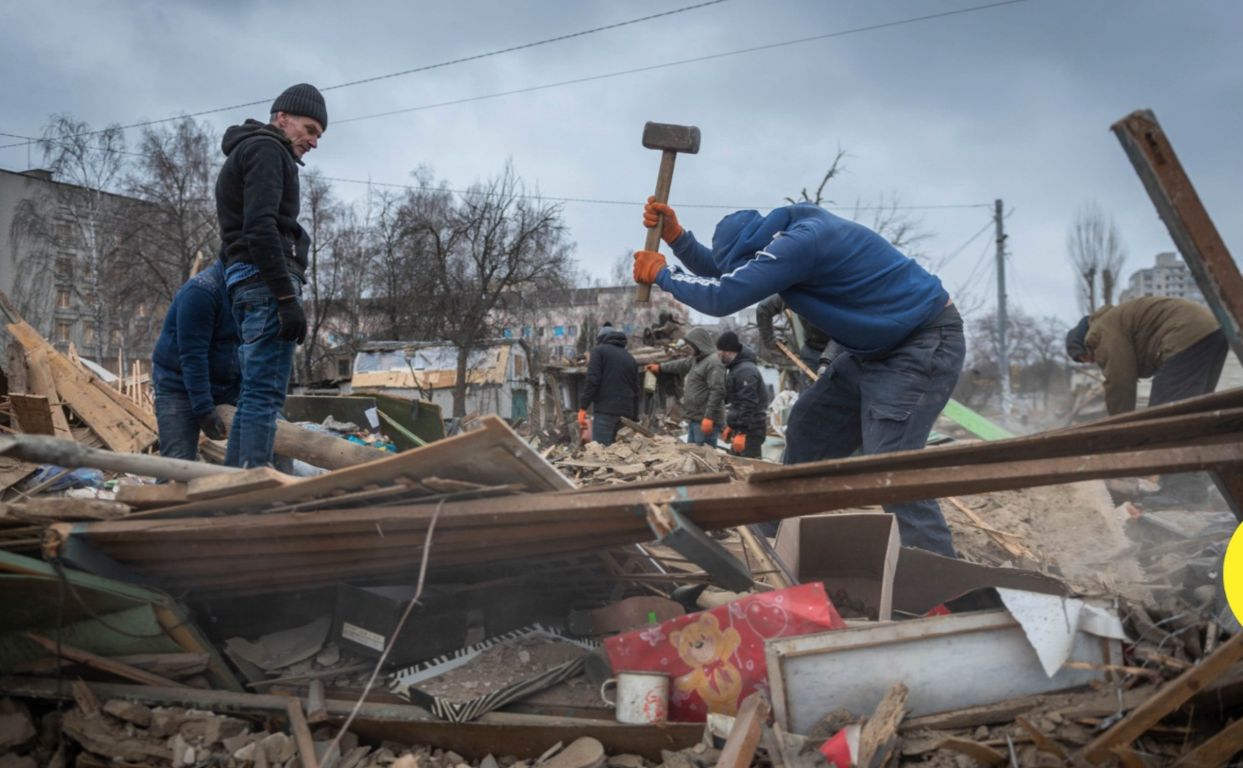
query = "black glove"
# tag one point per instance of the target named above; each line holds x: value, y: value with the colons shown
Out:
x: 293, y: 319
x: 213, y: 426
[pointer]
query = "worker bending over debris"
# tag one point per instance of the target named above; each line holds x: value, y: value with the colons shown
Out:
x: 612, y: 386
x: 901, y: 336
x: 703, y: 387
x: 1177, y: 342
x: 746, y: 422
x: 264, y: 251
x: 194, y: 365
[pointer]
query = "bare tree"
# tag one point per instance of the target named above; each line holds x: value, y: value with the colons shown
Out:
x: 347, y: 324
x: 1096, y: 253
x: 83, y: 226
x: 174, y: 179
x: 836, y: 168
x: 320, y: 213
x: 483, y: 256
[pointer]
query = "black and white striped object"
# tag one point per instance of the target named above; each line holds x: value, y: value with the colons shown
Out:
x: 405, y: 682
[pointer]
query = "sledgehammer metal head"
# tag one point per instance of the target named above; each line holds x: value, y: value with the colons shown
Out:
x: 675, y: 138
x: 671, y: 139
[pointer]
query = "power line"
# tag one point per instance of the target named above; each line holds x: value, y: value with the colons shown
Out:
x: 680, y: 62
x: 971, y: 239
x: 633, y: 203
x: 608, y: 75
x: 424, y: 68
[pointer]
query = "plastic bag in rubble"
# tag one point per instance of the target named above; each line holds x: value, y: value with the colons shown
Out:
x: 82, y: 477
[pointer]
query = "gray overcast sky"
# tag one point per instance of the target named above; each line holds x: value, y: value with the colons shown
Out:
x: 1013, y: 102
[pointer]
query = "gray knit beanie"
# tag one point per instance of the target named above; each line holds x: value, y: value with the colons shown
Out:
x: 302, y: 99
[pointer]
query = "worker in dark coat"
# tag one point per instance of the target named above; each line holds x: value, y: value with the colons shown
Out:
x: 612, y: 387
x: 746, y: 420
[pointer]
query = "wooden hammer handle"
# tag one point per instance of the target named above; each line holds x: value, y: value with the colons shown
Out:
x: 664, y: 180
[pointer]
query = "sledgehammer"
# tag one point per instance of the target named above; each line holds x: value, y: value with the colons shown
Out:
x: 672, y: 139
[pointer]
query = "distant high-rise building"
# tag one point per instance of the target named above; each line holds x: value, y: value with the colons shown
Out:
x: 1168, y: 276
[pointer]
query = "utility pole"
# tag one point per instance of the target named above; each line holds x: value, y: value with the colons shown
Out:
x: 1003, y: 350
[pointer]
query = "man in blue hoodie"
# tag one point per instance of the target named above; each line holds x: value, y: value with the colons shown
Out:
x: 264, y: 251
x: 194, y: 366
x: 901, y: 335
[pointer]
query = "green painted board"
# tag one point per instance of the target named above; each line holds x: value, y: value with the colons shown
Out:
x: 31, y: 597
x: 974, y: 422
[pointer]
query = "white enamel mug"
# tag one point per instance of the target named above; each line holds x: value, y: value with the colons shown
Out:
x: 642, y: 697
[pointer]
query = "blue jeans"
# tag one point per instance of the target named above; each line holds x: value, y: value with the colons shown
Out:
x: 266, y: 362
x: 696, y: 436
x: 879, y: 406
x: 604, y: 428
x: 179, y: 428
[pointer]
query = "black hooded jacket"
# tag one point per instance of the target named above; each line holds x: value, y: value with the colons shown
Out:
x: 745, y: 394
x: 257, y: 203
x: 612, y: 378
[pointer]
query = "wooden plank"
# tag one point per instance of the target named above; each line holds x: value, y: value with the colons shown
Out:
x: 102, y: 663
x: 712, y: 506
x: 58, y: 509
x: 152, y: 495
x: 1218, y: 749
x: 1166, y: 700
x: 526, y: 736
x: 43, y: 383
x: 765, y: 557
x: 113, y: 421
x: 493, y: 455
x: 744, y: 737
x: 33, y: 414
x: 1087, y: 439
x: 1000, y: 538
x: 981, y: 753
x: 879, y: 734
x: 301, y: 734
x: 233, y: 483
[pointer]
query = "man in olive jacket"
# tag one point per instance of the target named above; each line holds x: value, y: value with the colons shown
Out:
x: 1175, y: 341
x: 703, y: 387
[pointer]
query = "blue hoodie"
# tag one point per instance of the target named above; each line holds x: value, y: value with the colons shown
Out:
x: 197, y: 348
x: 843, y: 277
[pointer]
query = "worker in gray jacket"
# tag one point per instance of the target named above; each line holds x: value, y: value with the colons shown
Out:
x: 703, y: 388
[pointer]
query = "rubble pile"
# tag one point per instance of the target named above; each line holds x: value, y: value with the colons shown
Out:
x: 640, y: 457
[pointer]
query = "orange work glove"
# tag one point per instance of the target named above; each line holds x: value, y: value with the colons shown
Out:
x: 653, y: 367
x: 706, y: 426
x: 740, y: 443
x: 671, y: 229
x: 647, y: 265
x: 582, y: 418
x: 725, y: 435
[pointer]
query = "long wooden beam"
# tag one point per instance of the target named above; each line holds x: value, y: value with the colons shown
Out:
x: 487, y: 530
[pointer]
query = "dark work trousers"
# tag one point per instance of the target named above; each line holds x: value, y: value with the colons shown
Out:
x: 1192, y: 372
x: 604, y: 428
x: 879, y: 406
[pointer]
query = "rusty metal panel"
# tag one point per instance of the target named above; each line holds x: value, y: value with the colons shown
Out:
x: 1190, y: 226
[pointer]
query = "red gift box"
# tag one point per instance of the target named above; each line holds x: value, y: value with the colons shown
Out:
x: 716, y: 658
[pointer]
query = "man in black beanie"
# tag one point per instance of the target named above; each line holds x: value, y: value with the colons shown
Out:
x: 264, y: 251
x: 746, y: 420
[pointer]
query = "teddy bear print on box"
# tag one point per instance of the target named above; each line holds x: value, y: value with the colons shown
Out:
x: 716, y: 658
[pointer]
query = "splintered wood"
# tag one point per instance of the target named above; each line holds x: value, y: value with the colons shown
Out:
x: 639, y: 457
